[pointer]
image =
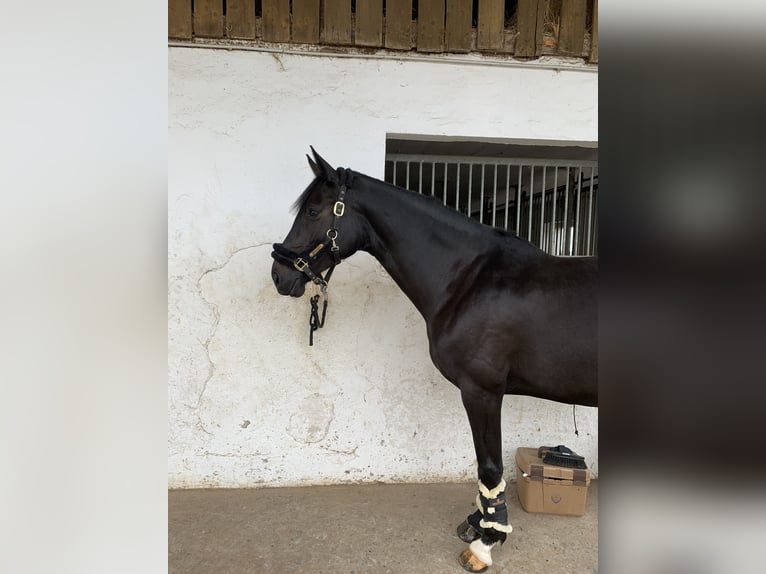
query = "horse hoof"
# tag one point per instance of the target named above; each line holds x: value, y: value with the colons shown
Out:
x: 467, y: 533
x: 470, y: 562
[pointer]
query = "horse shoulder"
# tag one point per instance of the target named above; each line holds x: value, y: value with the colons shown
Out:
x: 478, y: 318
x: 500, y: 308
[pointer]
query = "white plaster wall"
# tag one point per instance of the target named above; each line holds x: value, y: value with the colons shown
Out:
x: 250, y: 403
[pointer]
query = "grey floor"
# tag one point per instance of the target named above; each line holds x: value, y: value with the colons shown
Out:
x: 364, y: 529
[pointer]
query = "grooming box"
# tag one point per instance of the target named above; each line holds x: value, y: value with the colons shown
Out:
x: 550, y: 489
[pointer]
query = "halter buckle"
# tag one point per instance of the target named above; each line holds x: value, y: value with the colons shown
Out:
x: 338, y: 209
x: 300, y: 264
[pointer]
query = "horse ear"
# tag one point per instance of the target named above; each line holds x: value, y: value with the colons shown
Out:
x: 325, y: 169
x: 314, y: 167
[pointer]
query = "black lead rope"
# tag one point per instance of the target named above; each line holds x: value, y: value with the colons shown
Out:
x: 315, y: 323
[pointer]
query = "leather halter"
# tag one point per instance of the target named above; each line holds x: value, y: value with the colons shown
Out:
x: 303, y: 261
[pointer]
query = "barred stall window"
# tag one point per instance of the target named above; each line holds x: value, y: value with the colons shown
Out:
x: 545, y: 194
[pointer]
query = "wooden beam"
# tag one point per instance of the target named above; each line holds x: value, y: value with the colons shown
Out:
x: 529, y: 16
x: 240, y: 19
x: 306, y: 21
x: 369, y: 23
x: 458, y: 28
x: 430, y: 26
x: 399, y: 24
x: 208, y: 18
x: 491, y: 25
x: 276, y: 20
x: 179, y: 19
x: 594, y: 37
x: 572, y: 33
x: 337, y: 22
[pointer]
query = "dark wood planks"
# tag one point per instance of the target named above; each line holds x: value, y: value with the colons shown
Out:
x: 208, y: 18
x: 240, y: 19
x: 594, y: 38
x: 399, y: 24
x: 491, y: 25
x: 369, y: 23
x: 306, y: 21
x: 276, y: 20
x: 430, y: 26
x: 572, y: 33
x: 530, y: 15
x: 442, y: 25
x: 179, y: 19
x: 337, y: 22
x: 458, y: 26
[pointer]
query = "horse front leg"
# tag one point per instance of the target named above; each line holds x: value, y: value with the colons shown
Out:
x: 489, y: 525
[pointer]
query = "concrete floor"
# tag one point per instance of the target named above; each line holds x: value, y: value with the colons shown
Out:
x: 364, y: 529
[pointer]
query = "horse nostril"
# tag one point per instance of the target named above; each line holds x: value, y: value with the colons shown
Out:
x: 275, y: 277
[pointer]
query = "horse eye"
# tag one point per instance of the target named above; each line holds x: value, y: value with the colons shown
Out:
x: 313, y: 213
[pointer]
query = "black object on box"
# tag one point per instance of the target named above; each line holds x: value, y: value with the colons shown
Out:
x: 561, y: 456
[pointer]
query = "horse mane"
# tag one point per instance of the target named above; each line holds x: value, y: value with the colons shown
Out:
x: 450, y: 214
x: 304, y: 197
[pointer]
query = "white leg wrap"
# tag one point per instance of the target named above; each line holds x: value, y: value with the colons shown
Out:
x: 482, y: 551
x: 487, y: 493
x: 507, y: 528
x: 487, y: 517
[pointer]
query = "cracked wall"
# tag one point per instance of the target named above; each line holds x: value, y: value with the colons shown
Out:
x: 249, y: 402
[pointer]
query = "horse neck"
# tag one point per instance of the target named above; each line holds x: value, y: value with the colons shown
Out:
x: 418, y: 241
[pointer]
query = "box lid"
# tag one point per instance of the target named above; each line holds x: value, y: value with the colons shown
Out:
x: 529, y: 463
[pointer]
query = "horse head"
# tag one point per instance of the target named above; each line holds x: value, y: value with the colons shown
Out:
x: 313, y: 244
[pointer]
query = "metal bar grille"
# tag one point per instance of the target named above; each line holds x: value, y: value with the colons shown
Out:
x: 551, y: 203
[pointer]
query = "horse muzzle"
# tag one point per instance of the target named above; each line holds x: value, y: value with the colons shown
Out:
x: 287, y: 280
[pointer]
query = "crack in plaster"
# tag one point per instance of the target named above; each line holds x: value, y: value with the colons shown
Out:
x: 318, y: 367
x: 279, y: 61
x: 351, y: 452
x: 214, y: 327
x: 237, y: 454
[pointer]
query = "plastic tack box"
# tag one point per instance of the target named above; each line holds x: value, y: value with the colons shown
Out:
x: 548, y: 489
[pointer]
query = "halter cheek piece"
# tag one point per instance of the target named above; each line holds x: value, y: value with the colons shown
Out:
x: 303, y: 261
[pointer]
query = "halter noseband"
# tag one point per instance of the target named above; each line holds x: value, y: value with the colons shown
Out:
x: 303, y: 261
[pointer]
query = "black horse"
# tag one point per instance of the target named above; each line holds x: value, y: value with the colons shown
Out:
x: 503, y: 317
